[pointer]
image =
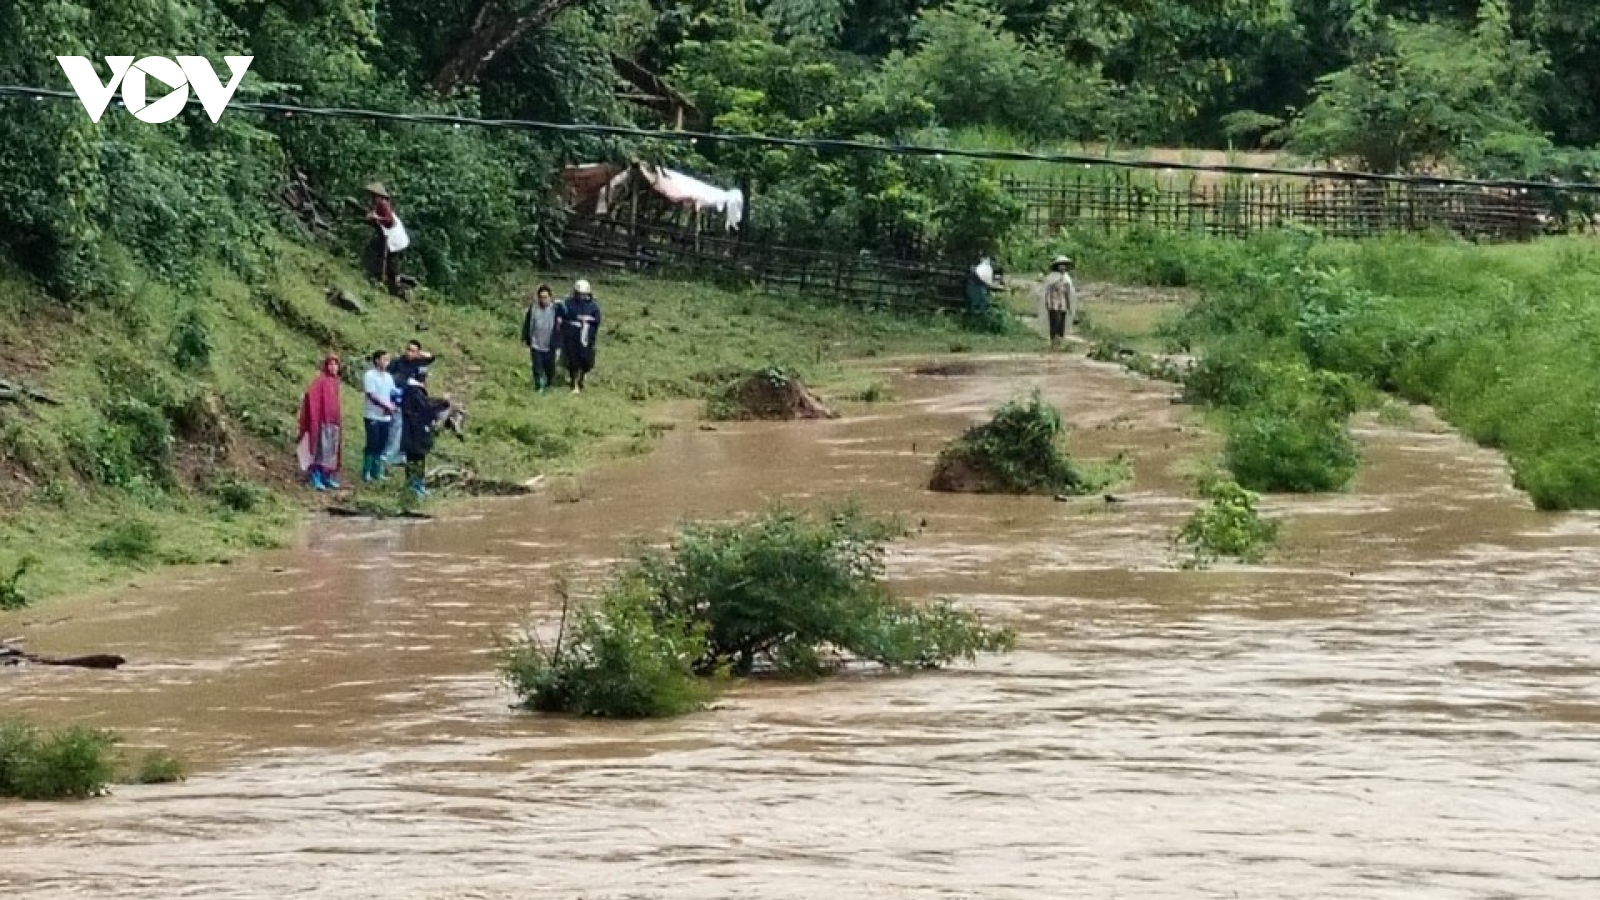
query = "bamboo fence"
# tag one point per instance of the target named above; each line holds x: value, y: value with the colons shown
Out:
x: 1239, y: 206
x: 639, y: 245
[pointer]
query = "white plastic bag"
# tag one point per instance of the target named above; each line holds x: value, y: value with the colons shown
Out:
x: 396, y: 237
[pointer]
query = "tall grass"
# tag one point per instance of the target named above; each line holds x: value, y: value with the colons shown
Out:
x: 1503, y: 340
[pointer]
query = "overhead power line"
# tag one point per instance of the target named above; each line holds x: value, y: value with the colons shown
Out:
x: 286, y: 110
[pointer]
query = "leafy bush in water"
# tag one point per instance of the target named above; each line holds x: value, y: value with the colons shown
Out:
x: 1295, y: 448
x: 617, y: 659
x: 158, y: 767
x: 1228, y: 525
x: 68, y: 764
x: 1016, y: 452
x: 782, y: 591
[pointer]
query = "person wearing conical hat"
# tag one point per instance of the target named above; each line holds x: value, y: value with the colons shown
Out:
x: 1060, y: 299
x: 389, y: 238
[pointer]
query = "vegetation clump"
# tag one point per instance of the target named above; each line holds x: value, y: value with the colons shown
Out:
x: 72, y: 763
x: 11, y: 593
x: 1018, y: 452
x: 1228, y: 525
x: 773, y: 393
x: 783, y: 593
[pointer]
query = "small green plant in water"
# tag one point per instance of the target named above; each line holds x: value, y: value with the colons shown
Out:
x: 1018, y: 452
x: 1228, y: 525
x: 11, y: 594
x: 158, y: 767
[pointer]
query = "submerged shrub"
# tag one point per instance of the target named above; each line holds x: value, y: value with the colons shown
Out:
x: 1294, y: 449
x: 158, y: 767
x: 618, y: 659
x: 1229, y: 525
x: 1017, y: 452
x: 72, y: 763
x: 784, y: 592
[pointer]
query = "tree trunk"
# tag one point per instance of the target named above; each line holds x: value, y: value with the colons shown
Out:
x: 498, y: 26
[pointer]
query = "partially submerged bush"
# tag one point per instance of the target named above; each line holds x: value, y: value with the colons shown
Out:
x: 783, y: 592
x: 616, y: 659
x: 158, y: 767
x: 72, y: 763
x: 1017, y: 452
x: 1229, y: 525
x: 1295, y: 436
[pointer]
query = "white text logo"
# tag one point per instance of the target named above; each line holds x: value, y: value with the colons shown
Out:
x: 179, y: 76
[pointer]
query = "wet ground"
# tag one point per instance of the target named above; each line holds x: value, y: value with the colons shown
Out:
x: 1405, y: 703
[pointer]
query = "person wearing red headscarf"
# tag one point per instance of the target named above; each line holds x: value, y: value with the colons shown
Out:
x: 321, y: 438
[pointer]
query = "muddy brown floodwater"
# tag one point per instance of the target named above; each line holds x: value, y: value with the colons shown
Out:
x: 1405, y: 704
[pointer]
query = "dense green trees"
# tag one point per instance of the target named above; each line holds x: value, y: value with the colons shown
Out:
x: 1505, y: 87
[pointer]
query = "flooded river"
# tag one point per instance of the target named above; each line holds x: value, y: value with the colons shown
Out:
x: 1406, y: 703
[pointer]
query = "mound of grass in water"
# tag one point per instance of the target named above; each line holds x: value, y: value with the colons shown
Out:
x: 773, y: 394
x: 784, y: 592
x: 1018, y: 452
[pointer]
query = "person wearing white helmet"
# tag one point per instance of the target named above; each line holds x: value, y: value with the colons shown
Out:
x: 578, y: 322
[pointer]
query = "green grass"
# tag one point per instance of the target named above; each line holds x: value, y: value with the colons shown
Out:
x: 1503, y: 340
x: 178, y: 405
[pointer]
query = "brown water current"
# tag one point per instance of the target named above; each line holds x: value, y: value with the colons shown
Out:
x: 1405, y: 703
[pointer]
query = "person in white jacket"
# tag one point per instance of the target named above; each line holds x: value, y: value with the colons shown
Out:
x: 1060, y: 299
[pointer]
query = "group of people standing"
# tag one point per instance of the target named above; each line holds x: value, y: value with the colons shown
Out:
x: 399, y: 415
x: 566, y: 330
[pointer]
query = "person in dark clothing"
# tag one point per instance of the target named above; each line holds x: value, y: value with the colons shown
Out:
x: 539, y: 336
x: 419, y: 414
x: 578, y: 322
x: 403, y: 367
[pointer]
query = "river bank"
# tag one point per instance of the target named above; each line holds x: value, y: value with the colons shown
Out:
x: 170, y: 442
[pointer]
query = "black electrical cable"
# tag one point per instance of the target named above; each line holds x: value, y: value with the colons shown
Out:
x: 290, y: 111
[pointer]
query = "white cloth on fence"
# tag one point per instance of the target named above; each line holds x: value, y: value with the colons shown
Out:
x: 395, y: 237
x: 688, y: 191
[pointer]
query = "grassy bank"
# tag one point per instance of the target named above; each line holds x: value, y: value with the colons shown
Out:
x: 1502, y: 340
x: 172, y: 440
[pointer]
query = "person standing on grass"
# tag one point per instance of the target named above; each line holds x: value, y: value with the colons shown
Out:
x: 378, y: 414
x: 579, y: 325
x: 539, y: 334
x: 321, y: 437
x: 421, y: 416
x: 1060, y: 299
x: 412, y: 361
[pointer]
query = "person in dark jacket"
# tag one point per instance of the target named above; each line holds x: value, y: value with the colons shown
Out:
x: 413, y: 360
x: 578, y: 322
x: 420, y: 415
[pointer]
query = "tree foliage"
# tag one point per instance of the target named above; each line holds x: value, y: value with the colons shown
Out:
x: 1502, y: 87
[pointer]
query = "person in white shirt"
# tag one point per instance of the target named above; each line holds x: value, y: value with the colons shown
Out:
x: 1060, y: 299
x: 378, y: 412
